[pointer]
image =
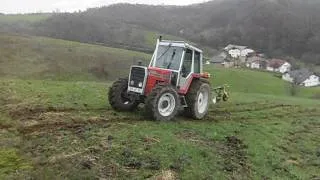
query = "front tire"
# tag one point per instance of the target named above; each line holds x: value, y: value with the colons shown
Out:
x: 198, y: 99
x: 162, y: 103
x: 119, y: 99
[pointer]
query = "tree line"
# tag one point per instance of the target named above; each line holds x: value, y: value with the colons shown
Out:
x: 278, y: 27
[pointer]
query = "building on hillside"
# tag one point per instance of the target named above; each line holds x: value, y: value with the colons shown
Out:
x: 246, y: 52
x: 234, y: 50
x: 302, y: 77
x: 232, y: 46
x: 278, y: 65
x: 217, y: 60
x: 238, y: 53
x: 256, y: 62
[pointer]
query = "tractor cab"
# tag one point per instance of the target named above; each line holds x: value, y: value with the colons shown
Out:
x: 173, y: 62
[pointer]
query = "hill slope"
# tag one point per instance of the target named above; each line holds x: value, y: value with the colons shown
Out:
x: 32, y: 57
x: 46, y: 58
x: 277, y: 27
x: 67, y: 130
x: 250, y: 81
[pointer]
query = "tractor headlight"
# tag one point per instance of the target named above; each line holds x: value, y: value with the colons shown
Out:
x: 140, y: 84
x: 132, y: 83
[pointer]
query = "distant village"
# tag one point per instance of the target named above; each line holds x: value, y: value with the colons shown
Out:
x: 243, y: 56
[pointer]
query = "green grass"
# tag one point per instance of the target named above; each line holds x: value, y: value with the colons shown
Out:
x: 45, y: 58
x: 250, y: 81
x: 56, y: 123
x: 30, y: 18
x: 62, y: 131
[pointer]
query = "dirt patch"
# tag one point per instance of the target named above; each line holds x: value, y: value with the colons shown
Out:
x: 301, y: 156
x: 235, y: 160
x: 195, y: 138
x: 166, y: 175
x: 37, y: 119
x: 50, y: 122
x: 4, y: 126
x: 180, y: 163
x: 25, y: 112
x: 134, y: 160
x: 249, y: 107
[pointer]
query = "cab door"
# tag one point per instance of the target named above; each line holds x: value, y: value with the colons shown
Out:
x: 186, y: 71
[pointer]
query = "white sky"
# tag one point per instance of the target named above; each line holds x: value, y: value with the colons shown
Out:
x: 32, y: 6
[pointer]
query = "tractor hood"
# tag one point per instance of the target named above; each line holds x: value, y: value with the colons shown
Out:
x: 156, y: 76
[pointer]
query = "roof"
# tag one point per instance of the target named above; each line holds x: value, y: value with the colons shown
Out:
x: 257, y: 61
x: 300, y: 75
x: 179, y: 44
x: 276, y: 63
x: 232, y: 46
x: 255, y: 58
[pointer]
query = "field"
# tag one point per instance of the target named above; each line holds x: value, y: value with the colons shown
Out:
x: 54, y: 129
x: 33, y: 57
x: 26, y: 18
x: 56, y: 123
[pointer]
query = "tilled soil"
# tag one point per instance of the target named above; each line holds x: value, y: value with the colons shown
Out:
x: 236, y: 162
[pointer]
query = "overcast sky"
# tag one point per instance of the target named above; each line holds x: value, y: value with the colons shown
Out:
x: 31, y: 6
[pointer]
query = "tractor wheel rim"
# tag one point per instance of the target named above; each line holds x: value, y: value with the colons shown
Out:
x: 166, y: 104
x: 203, y: 101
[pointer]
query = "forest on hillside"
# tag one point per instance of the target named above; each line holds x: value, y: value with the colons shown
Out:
x: 277, y: 27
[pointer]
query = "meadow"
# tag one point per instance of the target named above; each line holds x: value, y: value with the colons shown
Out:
x: 56, y: 123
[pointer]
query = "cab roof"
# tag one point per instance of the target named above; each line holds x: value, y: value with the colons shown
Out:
x: 179, y: 44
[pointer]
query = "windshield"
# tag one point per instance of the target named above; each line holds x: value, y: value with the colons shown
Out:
x: 169, y: 57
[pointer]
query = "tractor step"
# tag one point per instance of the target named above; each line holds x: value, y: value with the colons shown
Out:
x: 183, y: 101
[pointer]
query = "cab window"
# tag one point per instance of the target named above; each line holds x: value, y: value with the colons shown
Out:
x: 197, y: 61
x: 187, y: 63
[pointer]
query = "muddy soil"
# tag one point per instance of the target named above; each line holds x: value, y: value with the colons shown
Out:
x: 234, y: 153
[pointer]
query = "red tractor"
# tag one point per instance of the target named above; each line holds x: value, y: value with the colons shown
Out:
x: 173, y: 81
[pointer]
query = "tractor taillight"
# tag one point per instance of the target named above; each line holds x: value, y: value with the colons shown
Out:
x: 205, y: 75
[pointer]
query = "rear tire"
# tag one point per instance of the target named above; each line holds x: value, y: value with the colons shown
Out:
x: 119, y: 99
x: 198, y: 99
x: 162, y: 103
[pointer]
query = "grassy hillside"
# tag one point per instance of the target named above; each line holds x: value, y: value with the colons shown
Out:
x: 289, y: 28
x: 67, y: 130
x: 31, y: 18
x: 250, y: 81
x: 52, y: 129
x: 30, y: 57
x: 46, y: 58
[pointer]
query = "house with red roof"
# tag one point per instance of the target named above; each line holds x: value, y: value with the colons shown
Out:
x: 278, y: 65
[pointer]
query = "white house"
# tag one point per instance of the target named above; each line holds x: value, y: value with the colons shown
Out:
x: 234, y: 53
x: 312, y: 81
x: 278, y: 65
x: 238, y: 52
x: 246, y: 52
x: 302, y: 77
x: 232, y: 46
x: 254, y: 65
x: 235, y: 50
x: 256, y: 62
